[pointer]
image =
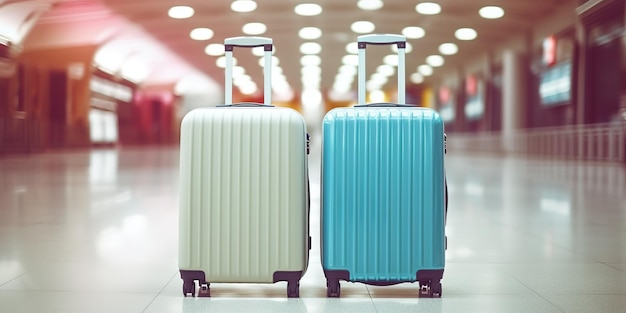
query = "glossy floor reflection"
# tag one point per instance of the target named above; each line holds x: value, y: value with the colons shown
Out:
x: 96, y: 231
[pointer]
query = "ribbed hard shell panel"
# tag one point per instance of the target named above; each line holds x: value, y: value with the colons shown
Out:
x: 383, y: 193
x: 243, y: 211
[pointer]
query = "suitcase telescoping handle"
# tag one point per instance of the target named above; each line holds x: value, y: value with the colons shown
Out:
x: 381, y: 39
x: 248, y: 42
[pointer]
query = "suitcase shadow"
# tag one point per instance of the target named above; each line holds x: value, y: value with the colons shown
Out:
x: 404, y: 291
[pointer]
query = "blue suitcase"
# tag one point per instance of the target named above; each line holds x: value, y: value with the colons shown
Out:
x: 383, y: 190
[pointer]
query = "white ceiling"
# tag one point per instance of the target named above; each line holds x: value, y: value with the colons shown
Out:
x: 283, y: 25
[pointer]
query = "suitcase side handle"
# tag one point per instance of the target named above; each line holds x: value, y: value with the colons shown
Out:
x: 248, y: 42
x: 381, y: 39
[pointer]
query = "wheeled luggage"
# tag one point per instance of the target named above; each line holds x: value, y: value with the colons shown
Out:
x: 243, y: 190
x: 383, y: 190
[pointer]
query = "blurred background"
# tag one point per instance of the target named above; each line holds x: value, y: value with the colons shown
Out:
x: 529, y: 77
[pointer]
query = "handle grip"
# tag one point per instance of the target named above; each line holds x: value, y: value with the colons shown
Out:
x: 382, y: 39
x: 248, y: 42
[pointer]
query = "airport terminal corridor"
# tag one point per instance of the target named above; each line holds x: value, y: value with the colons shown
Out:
x: 96, y: 231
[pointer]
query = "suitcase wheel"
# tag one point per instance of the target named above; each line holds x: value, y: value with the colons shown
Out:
x: 293, y: 289
x: 333, y: 288
x: 430, y: 289
x: 204, y: 290
x: 189, y: 288
x: 436, y: 290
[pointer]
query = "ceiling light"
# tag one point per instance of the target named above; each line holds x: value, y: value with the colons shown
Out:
x: 241, y: 79
x: 425, y: 70
x: 310, y: 60
x: 238, y: 71
x: 308, y: 9
x: 214, y: 49
x: 221, y: 61
x: 180, y: 12
x: 352, y: 48
x: 338, y: 92
x: 254, y: 29
x: 413, y: 32
x: 348, y: 69
x: 428, y: 8
x: 465, y: 34
x: 344, y: 78
x: 311, y: 70
x: 311, y: 82
x: 243, y: 6
x: 310, y: 33
x: 377, y: 96
x: 370, y: 5
x: 386, y: 70
x: 491, y: 12
x: 277, y: 72
x: 310, y: 48
x: 201, y: 34
x: 391, y: 59
x: 260, y: 51
x: 372, y: 85
x: 448, y: 48
x: 435, y: 60
x: 379, y: 78
x: 408, y: 48
x: 275, y: 61
x: 311, y: 99
x: 363, y: 27
x: 417, y: 78
x: 248, y: 89
x: 350, y: 59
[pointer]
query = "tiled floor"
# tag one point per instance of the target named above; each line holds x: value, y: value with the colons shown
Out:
x: 96, y: 231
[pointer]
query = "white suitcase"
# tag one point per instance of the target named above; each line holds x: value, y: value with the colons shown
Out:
x: 244, y: 207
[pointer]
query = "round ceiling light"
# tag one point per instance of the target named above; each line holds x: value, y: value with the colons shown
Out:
x: 386, y: 70
x: 352, y: 48
x: 214, y: 49
x: 448, y: 48
x: 254, y: 29
x: 362, y: 27
x: 310, y: 48
x: 274, y: 61
x: 310, y: 33
x: 491, y: 12
x: 425, y: 70
x: 435, y: 60
x: 391, y: 59
x: 417, y: 78
x: 201, y: 34
x: 180, y: 12
x: 221, y: 61
x: 308, y: 9
x: 310, y: 60
x: 260, y: 51
x: 465, y: 34
x: 243, y: 6
x: 369, y: 5
x: 350, y: 59
x: 413, y: 32
x: 428, y: 8
x: 347, y: 70
x: 407, y: 48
